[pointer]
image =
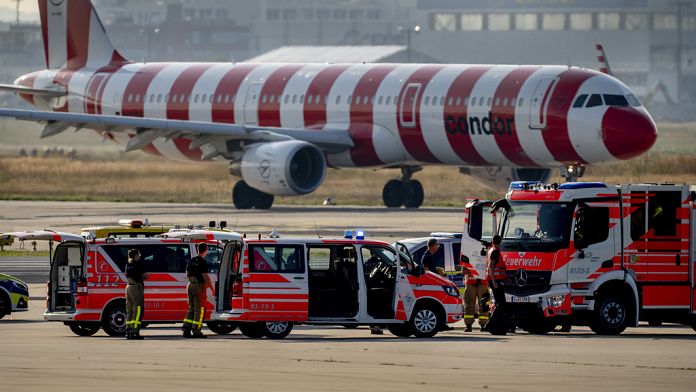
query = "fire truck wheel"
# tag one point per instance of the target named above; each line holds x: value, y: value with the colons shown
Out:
x: 414, y: 194
x: 611, y: 317
x: 221, y: 328
x: 425, y: 321
x: 84, y: 329
x: 252, y: 330
x: 393, y: 194
x: 114, y: 319
x: 400, y: 330
x: 277, y: 329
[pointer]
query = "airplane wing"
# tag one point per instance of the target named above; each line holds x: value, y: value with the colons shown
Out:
x: 204, y: 134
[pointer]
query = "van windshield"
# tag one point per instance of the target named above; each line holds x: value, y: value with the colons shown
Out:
x: 534, y: 226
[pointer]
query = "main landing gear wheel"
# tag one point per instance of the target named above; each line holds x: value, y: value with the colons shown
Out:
x: 393, y: 194
x: 405, y: 191
x: 84, y: 329
x: 245, y: 197
x: 414, y: 194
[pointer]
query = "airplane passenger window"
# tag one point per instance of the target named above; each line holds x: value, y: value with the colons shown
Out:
x: 580, y: 101
x: 301, y: 98
x: 595, y: 100
x: 466, y: 101
x: 489, y: 101
x: 442, y: 101
x: 227, y: 98
x: 159, y: 98
x: 379, y: 100
x: 427, y: 101
x: 388, y: 100
x: 497, y: 101
x: 449, y: 101
x: 294, y: 98
x: 219, y: 98
x: 195, y: 98
x: 338, y: 99
x: 152, y: 98
x: 232, y: 99
x: 505, y: 101
x: 349, y: 99
x: 633, y: 100
x: 166, y: 98
x: 287, y: 98
x: 458, y: 101
x: 615, y: 100
x: 310, y: 98
x: 130, y: 98
x: 271, y: 99
x: 481, y: 100
x: 210, y: 98
x: 326, y: 99
x: 372, y: 100
x: 188, y: 98
x: 263, y: 99
x: 520, y: 102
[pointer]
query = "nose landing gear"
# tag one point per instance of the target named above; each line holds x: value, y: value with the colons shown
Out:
x: 405, y: 191
x: 571, y: 173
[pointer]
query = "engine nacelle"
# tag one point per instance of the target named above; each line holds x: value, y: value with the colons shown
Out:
x: 287, y: 168
x: 498, y: 179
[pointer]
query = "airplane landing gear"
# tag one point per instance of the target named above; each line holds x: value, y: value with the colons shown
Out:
x: 245, y: 197
x: 571, y: 173
x: 404, y: 192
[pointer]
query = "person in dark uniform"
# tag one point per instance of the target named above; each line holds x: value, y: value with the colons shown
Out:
x: 199, y: 281
x: 135, y: 294
x: 427, y: 259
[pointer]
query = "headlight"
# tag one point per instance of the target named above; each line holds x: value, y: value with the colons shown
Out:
x: 20, y: 286
x: 453, y: 291
x: 556, y: 301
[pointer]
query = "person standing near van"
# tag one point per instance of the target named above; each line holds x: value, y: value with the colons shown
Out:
x: 473, y: 293
x: 135, y: 294
x: 427, y: 259
x: 497, y: 276
x: 199, y: 281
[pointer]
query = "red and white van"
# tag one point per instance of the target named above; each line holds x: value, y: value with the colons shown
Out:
x: 86, y: 288
x: 267, y: 285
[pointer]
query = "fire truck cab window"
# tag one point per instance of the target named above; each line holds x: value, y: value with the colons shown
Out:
x: 591, y: 226
x: 662, y: 213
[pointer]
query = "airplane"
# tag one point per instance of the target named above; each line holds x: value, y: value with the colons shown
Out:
x: 279, y: 126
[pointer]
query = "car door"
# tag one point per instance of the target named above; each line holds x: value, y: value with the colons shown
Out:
x: 277, y: 288
x: 228, y: 275
x: 404, y: 297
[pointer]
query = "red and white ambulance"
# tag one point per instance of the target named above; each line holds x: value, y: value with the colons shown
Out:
x: 268, y: 285
x: 86, y: 289
x: 590, y: 254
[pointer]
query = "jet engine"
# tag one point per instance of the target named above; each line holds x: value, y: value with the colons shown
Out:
x: 499, y: 178
x: 286, y: 168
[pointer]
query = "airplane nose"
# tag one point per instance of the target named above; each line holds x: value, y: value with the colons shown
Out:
x: 627, y: 132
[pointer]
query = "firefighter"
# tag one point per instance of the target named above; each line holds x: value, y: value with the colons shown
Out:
x: 497, y: 276
x: 473, y: 293
x: 135, y: 294
x: 199, y: 281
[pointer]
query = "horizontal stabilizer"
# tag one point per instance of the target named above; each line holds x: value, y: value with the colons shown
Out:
x: 57, y: 92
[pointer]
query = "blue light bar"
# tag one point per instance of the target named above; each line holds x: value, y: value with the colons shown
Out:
x: 348, y: 235
x: 582, y: 185
x: 360, y: 235
x: 522, y: 185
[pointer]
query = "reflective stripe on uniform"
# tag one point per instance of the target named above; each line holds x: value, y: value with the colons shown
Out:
x: 468, y: 316
x: 200, y: 320
x: 483, y: 317
x: 136, y: 323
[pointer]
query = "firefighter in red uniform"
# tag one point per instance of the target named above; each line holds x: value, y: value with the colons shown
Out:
x: 497, y: 276
x: 474, y: 291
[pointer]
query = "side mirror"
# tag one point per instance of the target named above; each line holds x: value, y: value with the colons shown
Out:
x: 475, y: 221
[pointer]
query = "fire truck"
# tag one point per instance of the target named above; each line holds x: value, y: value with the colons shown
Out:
x: 587, y: 253
x: 86, y: 287
x: 267, y: 285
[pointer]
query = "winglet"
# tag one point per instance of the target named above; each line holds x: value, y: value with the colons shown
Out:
x: 602, y: 59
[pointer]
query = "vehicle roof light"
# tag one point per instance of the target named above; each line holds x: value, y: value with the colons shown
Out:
x: 582, y: 185
x: 348, y: 235
x: 360, y: 235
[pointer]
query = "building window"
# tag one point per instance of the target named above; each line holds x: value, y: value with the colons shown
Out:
x: 498, y: 22
x: 444, y: 22
x: 608, y: 21
x: 636, y: 21
x: 526, y: 22
x: 580, y: 21
x: 665, y: 22
x: 471, y: 22
x: 553, y: 22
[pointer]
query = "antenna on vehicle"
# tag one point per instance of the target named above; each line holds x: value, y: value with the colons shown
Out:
x: 235, y: 225
x: 317, y: 230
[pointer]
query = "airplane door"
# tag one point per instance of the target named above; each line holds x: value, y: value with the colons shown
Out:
x: 251, y: 104
x: 540, y: 102
x: 407, y: 107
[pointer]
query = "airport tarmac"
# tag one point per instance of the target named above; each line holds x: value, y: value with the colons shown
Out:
x: 41, y: 356
x: 378, y: 222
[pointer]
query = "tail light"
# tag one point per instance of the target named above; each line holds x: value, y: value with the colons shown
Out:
x: 82, y: 288
x: 48, y: 294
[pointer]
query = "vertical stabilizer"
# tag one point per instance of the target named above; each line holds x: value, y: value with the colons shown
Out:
x: 73, y: 35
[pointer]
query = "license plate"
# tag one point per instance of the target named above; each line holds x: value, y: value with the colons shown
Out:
x: 520, y: 300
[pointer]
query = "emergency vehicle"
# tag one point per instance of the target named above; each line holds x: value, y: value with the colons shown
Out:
x: 607, y: 256
x: 14, y: 295
x: 86, y: 288
x: 267, y: 285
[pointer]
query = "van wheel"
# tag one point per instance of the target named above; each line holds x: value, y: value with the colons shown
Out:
x: 425, y: 322
x: 252, y: 330
x: 221, y: 327
x: 400, y: 330
x: 277, y: 329
x: 84, y: 329
x: 114, y: 320
x: 611, y: 317
x: 5, y: 305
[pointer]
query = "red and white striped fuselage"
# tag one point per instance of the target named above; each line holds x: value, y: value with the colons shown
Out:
x: 396, y: 114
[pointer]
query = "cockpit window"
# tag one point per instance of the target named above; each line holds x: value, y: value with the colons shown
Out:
x: 595, y: 100
x: 633, y: 100
x: 615, y: 100
x: 579, y: 101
